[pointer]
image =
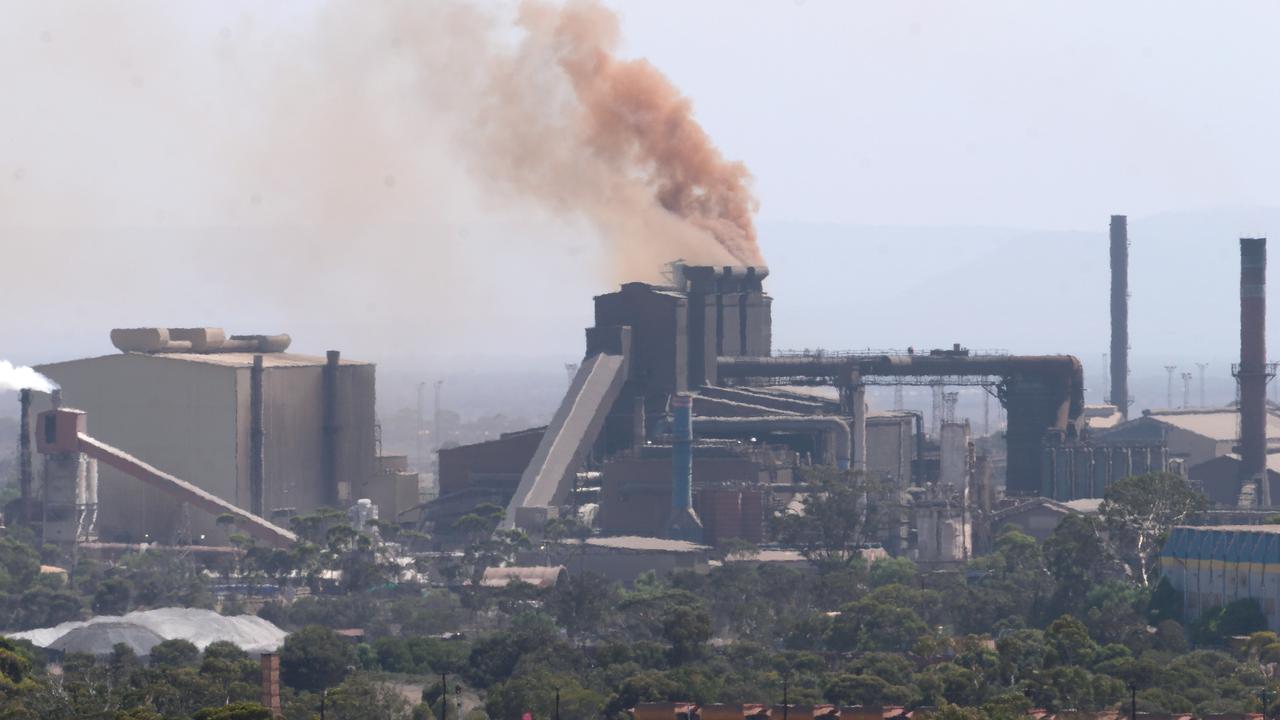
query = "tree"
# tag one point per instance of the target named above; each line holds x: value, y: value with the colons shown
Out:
x: 234, y: 711
x: 1240, y: 617
x: 891, y: 571
x: 175, y: 653
x: 1141, y: 510
x: 687, y: 628
x: 1068, y: 643
x: 835, y: 522
x: 360, y: 698
x: 849, y: 689
x: 112, y: 597
x: 315, y: 658
x: 1076, y: 556
x: 582, y: 602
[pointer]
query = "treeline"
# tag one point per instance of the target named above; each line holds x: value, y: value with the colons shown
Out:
x: 1068, y: 624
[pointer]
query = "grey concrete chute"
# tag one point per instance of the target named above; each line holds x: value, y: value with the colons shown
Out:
x: 547, y: 480
x: 836, y: 428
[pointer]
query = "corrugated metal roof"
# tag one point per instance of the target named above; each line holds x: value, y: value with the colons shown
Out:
x: 1273, y: 461
x: 1218, y: 425
x: 1230, y: 543
x: 238, y: 360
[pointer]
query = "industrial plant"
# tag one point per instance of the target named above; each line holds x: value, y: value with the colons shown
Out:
x: 683, y: 432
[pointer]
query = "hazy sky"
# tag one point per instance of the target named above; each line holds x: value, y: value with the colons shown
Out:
x: 1041, y: 115
x: 884, y: 137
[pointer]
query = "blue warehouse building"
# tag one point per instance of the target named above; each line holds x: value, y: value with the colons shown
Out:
x: 1215, y: 565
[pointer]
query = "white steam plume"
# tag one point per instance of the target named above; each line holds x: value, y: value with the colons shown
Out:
x: 23, y: 378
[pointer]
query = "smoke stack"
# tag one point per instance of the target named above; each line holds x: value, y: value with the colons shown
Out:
x: 1253, y: 372
x: 1120, y: 314
x: 24, y: 451
x: 271, y: 683
x: 684, y: 523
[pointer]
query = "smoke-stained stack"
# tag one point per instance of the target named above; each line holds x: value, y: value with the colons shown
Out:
x: 1120, y: 314
x: 684, y: 523
x: 1253, y: 371
x: 24, y: 451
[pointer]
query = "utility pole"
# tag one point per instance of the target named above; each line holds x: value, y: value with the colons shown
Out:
x: 1202, y: 366
x: 1169, y: 388
x: 444, y: 696
x: 786, y: 706
x: 1186, y: 389
x: 1133, y: 701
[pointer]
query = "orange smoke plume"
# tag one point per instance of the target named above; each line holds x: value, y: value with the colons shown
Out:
x: 640, y: 122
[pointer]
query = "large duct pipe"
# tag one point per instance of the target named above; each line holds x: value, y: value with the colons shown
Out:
x: 1253, y: 372
x: 1040, y: 392
x: 1120, y: 314
x: 24, y: 451
x: 331, y: 429
x: 684, y: 523
x: 838, y: 430
x: 257, y: 452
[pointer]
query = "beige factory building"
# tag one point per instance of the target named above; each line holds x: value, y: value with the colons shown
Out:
x: 193, y: 414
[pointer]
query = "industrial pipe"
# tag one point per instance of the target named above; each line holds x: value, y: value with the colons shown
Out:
x: 1041, y: 393
x: 257, y: 444
x: 331, y: 429
x: 684, y: 523
x: 838, y: 429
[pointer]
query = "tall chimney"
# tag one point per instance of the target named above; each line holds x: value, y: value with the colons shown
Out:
x: 24, y: 451
x: 684, y: 523
x: 1253, y: 373
x: 1120, y: 314
x: 271, y: 683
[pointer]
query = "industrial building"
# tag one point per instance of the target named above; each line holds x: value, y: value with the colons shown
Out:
x: 238, y: 417
x: 701, y: 344
x: 1214, y: 565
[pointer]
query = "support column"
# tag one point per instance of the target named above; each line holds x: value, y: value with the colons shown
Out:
x: 858, y: 398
